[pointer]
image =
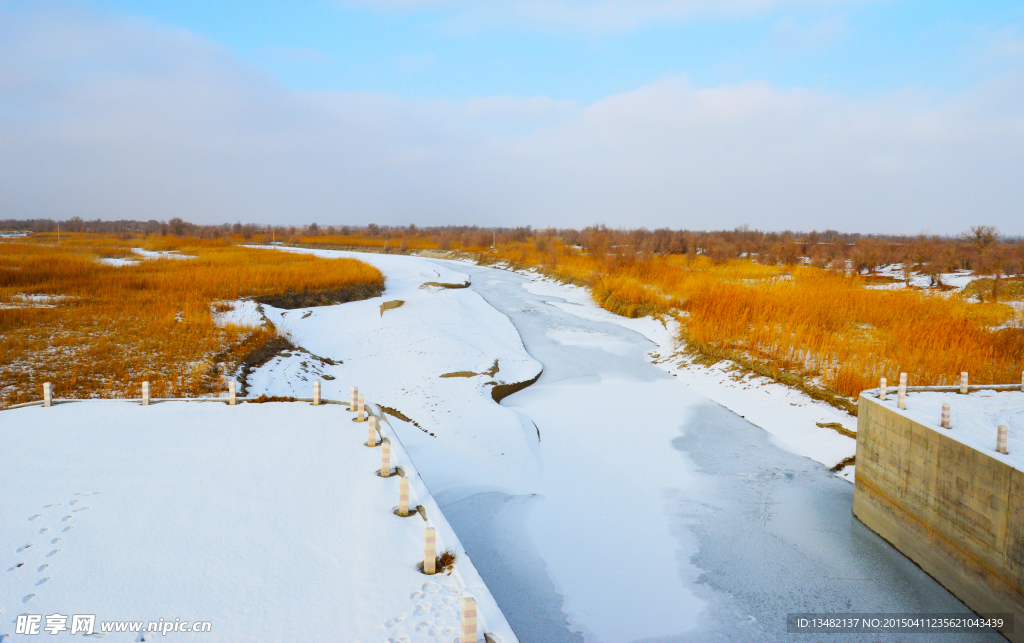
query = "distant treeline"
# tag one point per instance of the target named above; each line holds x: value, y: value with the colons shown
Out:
x: 980, y: 248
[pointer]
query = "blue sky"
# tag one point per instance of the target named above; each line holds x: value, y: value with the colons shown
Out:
x: 862, y: 115
x: 455, y: 50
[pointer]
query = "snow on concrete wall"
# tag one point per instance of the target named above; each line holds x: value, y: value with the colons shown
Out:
x: 953, y: 509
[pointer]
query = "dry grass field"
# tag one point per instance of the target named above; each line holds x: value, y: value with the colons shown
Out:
x: 825, y: 327
x: 815, y: 323
x: 67, y: 315
x: 821, y: 326
x: 105, y: 328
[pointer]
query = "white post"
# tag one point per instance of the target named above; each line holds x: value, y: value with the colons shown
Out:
x: 882, y: 389
x: 945, y: 415
x: 231, y: 392
x: 316, y: 393
x: 47, y: 394
x: 145, y: 394
x: 468, y: 620
x: 385, y: 458
x: 371, y: 432
x: 1001, y: 438
x: 429, y: 554
x: 403, y: 496
x: 901, y: 396
x: 354, y: 392
x: 1022, y: 380
x: 360, y: 408
x: 963, y: 383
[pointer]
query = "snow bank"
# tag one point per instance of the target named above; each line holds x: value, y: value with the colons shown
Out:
x: 265, y: 519
x: 974, y: 418
x: 399, y: 359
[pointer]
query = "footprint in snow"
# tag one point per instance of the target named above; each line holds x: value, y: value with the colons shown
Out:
x: 44, y: 530
x: 56, y: 504
x: 82, y: 509
x: 36, y: 516
x: 42, y: 581
x: 28, y: 598
x: 74, y: 502
x: 52, y: 553
x: 24, y: 547
x: 65, y: 518
x: 11, y: 569
x: 68, y: 528
x: 56, y: 540
x: 42, y: 567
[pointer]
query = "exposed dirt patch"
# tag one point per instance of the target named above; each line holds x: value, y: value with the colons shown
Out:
x: 443, y: 563
x: 259, y: 357
x: 271, y: 398
x: 389, y: 305
x: 403, y: 417
x: 492, y: 371
x: 501, y: 391
x: 439, y: 284
x: 845, y: 462
x: 291, y: 299
x: 838, y: 428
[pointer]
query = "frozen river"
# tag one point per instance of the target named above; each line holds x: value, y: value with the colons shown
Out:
x: 655, y: 513
x: 612, y: 500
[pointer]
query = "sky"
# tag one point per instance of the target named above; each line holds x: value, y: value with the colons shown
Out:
x: 881, y: 116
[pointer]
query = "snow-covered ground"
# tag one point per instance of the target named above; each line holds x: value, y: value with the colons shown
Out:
x: 34, y: 301
x: 266, y: 520
x: 615, y: 499
x: 142, y: 255
x: 622, y: 497
x: 974, y: 418
x: 956, y: 280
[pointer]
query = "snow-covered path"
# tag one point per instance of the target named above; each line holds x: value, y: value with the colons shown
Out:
x: 610, y: 501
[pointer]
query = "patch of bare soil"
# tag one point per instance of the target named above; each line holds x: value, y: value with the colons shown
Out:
x: 501, y: 391
x: 441, y: 284
x: 291, y: 299
x: 270, y: 398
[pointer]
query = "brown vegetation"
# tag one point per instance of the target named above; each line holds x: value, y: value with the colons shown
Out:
x: 99, y: 330
x: 792, y: 306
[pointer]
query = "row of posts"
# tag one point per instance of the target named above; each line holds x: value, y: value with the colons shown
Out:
x: 1002, y: 431
x: 357, y: 404
x: 232, y: 397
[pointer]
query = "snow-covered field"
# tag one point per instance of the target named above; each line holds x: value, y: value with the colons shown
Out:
x: 266, y: 520
x: 614, y: 499
x: 956, y: 280
x: 974, y: 418
x: 142, y: 254
x: 626, y: 495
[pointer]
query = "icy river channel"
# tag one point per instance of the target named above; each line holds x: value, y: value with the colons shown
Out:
x: 613, y: 500
x: 658, y: 514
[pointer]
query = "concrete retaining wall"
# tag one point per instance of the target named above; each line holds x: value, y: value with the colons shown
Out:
x: 953, y: 510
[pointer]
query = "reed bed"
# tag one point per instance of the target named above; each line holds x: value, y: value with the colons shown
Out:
x: 99, y: 330
x: 822, y: 325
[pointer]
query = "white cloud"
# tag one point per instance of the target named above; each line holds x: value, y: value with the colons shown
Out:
x: 121, y: 119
